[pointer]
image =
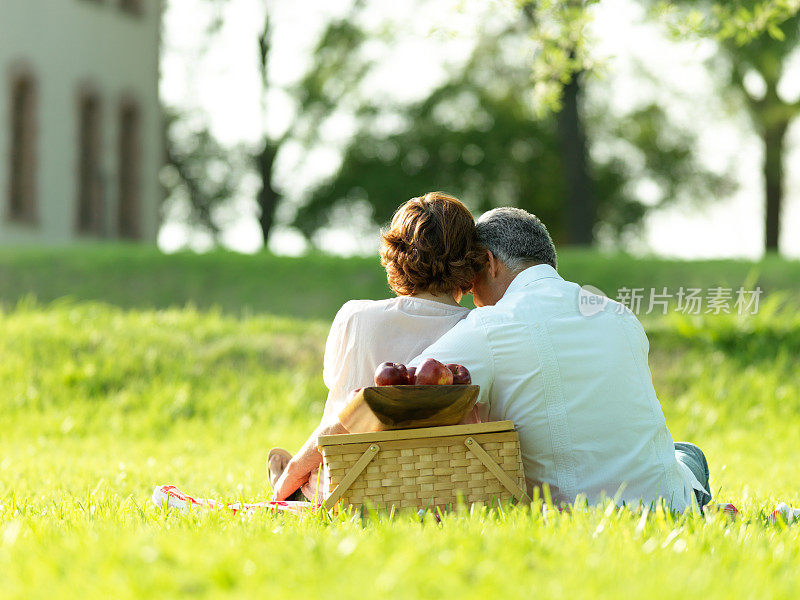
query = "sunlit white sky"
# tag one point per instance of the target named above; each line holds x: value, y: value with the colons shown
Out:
x: 221, y: 80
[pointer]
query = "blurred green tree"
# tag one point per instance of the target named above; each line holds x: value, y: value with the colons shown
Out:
x: 204, y: 175
x: 488, y: 135
x: 336, y: 70
x: 200, y: 175
x: 479, y: 135
x: 756, y: 41
x: 559, y: 69
x: 558, y: 28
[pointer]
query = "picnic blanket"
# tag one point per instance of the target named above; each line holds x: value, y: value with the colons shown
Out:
x: 786, y: 512
x: 171, y: 496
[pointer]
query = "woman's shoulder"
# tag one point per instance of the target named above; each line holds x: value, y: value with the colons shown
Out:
x: 357, y: 311
x: 353, y: 309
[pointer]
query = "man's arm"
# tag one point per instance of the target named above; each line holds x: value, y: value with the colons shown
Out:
x: 466, y: 344
x: 306, y: 461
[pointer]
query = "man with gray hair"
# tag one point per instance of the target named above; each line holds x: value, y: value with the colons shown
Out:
x: 576, y: 385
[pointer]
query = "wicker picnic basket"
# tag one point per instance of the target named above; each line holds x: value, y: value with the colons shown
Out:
x: 419, y: 468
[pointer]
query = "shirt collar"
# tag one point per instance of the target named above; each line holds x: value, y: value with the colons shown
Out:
x: 531, y: 274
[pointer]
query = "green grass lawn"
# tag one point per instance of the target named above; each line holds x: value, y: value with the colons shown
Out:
x: 100, y: 401
x: 315, y: 286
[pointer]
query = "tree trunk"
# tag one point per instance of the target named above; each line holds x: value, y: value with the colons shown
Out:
x: 773, y: 138
x: 267, y: 197
x: 580, y: 201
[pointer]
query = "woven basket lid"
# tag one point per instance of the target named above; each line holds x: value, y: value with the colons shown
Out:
x: 421, y: 433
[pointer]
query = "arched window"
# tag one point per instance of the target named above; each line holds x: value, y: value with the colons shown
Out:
x: 129, y: 169
x: 91, y: 216
x: 22, y: 178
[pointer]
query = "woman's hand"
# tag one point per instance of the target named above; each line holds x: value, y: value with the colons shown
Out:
x: 296, y: 474
x: 306, y: 461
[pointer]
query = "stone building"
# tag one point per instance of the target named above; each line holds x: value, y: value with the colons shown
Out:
x: 80, y: 123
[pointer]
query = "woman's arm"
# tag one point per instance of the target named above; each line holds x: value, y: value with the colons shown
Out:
x: 338, y: 366
x: 306, y: 461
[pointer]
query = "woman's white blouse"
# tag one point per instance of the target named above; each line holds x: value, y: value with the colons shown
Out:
x: 366, y: 333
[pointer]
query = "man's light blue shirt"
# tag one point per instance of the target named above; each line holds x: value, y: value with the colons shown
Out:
x: 577, y: 387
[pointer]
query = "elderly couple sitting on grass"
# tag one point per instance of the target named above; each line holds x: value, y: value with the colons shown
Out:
x: 578, y: 388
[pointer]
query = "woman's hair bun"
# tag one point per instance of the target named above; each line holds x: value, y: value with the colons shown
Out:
x: 431, y: 246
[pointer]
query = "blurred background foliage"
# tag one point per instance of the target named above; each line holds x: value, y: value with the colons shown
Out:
x: 478, y: 137
x: 510, y: 125
x: 755, y: 40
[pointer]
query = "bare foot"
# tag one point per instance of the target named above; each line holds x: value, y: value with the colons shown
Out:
x: 276, y: 463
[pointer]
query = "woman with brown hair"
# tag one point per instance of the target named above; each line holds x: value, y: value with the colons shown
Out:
x: 431, y: 255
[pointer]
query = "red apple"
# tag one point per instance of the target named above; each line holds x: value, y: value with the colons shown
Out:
x: 412, y: 375
x: 390, y: 373
x: 432, y: 372
x: 460, y: 373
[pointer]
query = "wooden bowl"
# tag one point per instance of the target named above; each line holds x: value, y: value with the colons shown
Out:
x: 408, y: 406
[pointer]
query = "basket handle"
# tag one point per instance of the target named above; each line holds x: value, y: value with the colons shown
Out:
x: 351, y: 476
x: 481, y: 454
